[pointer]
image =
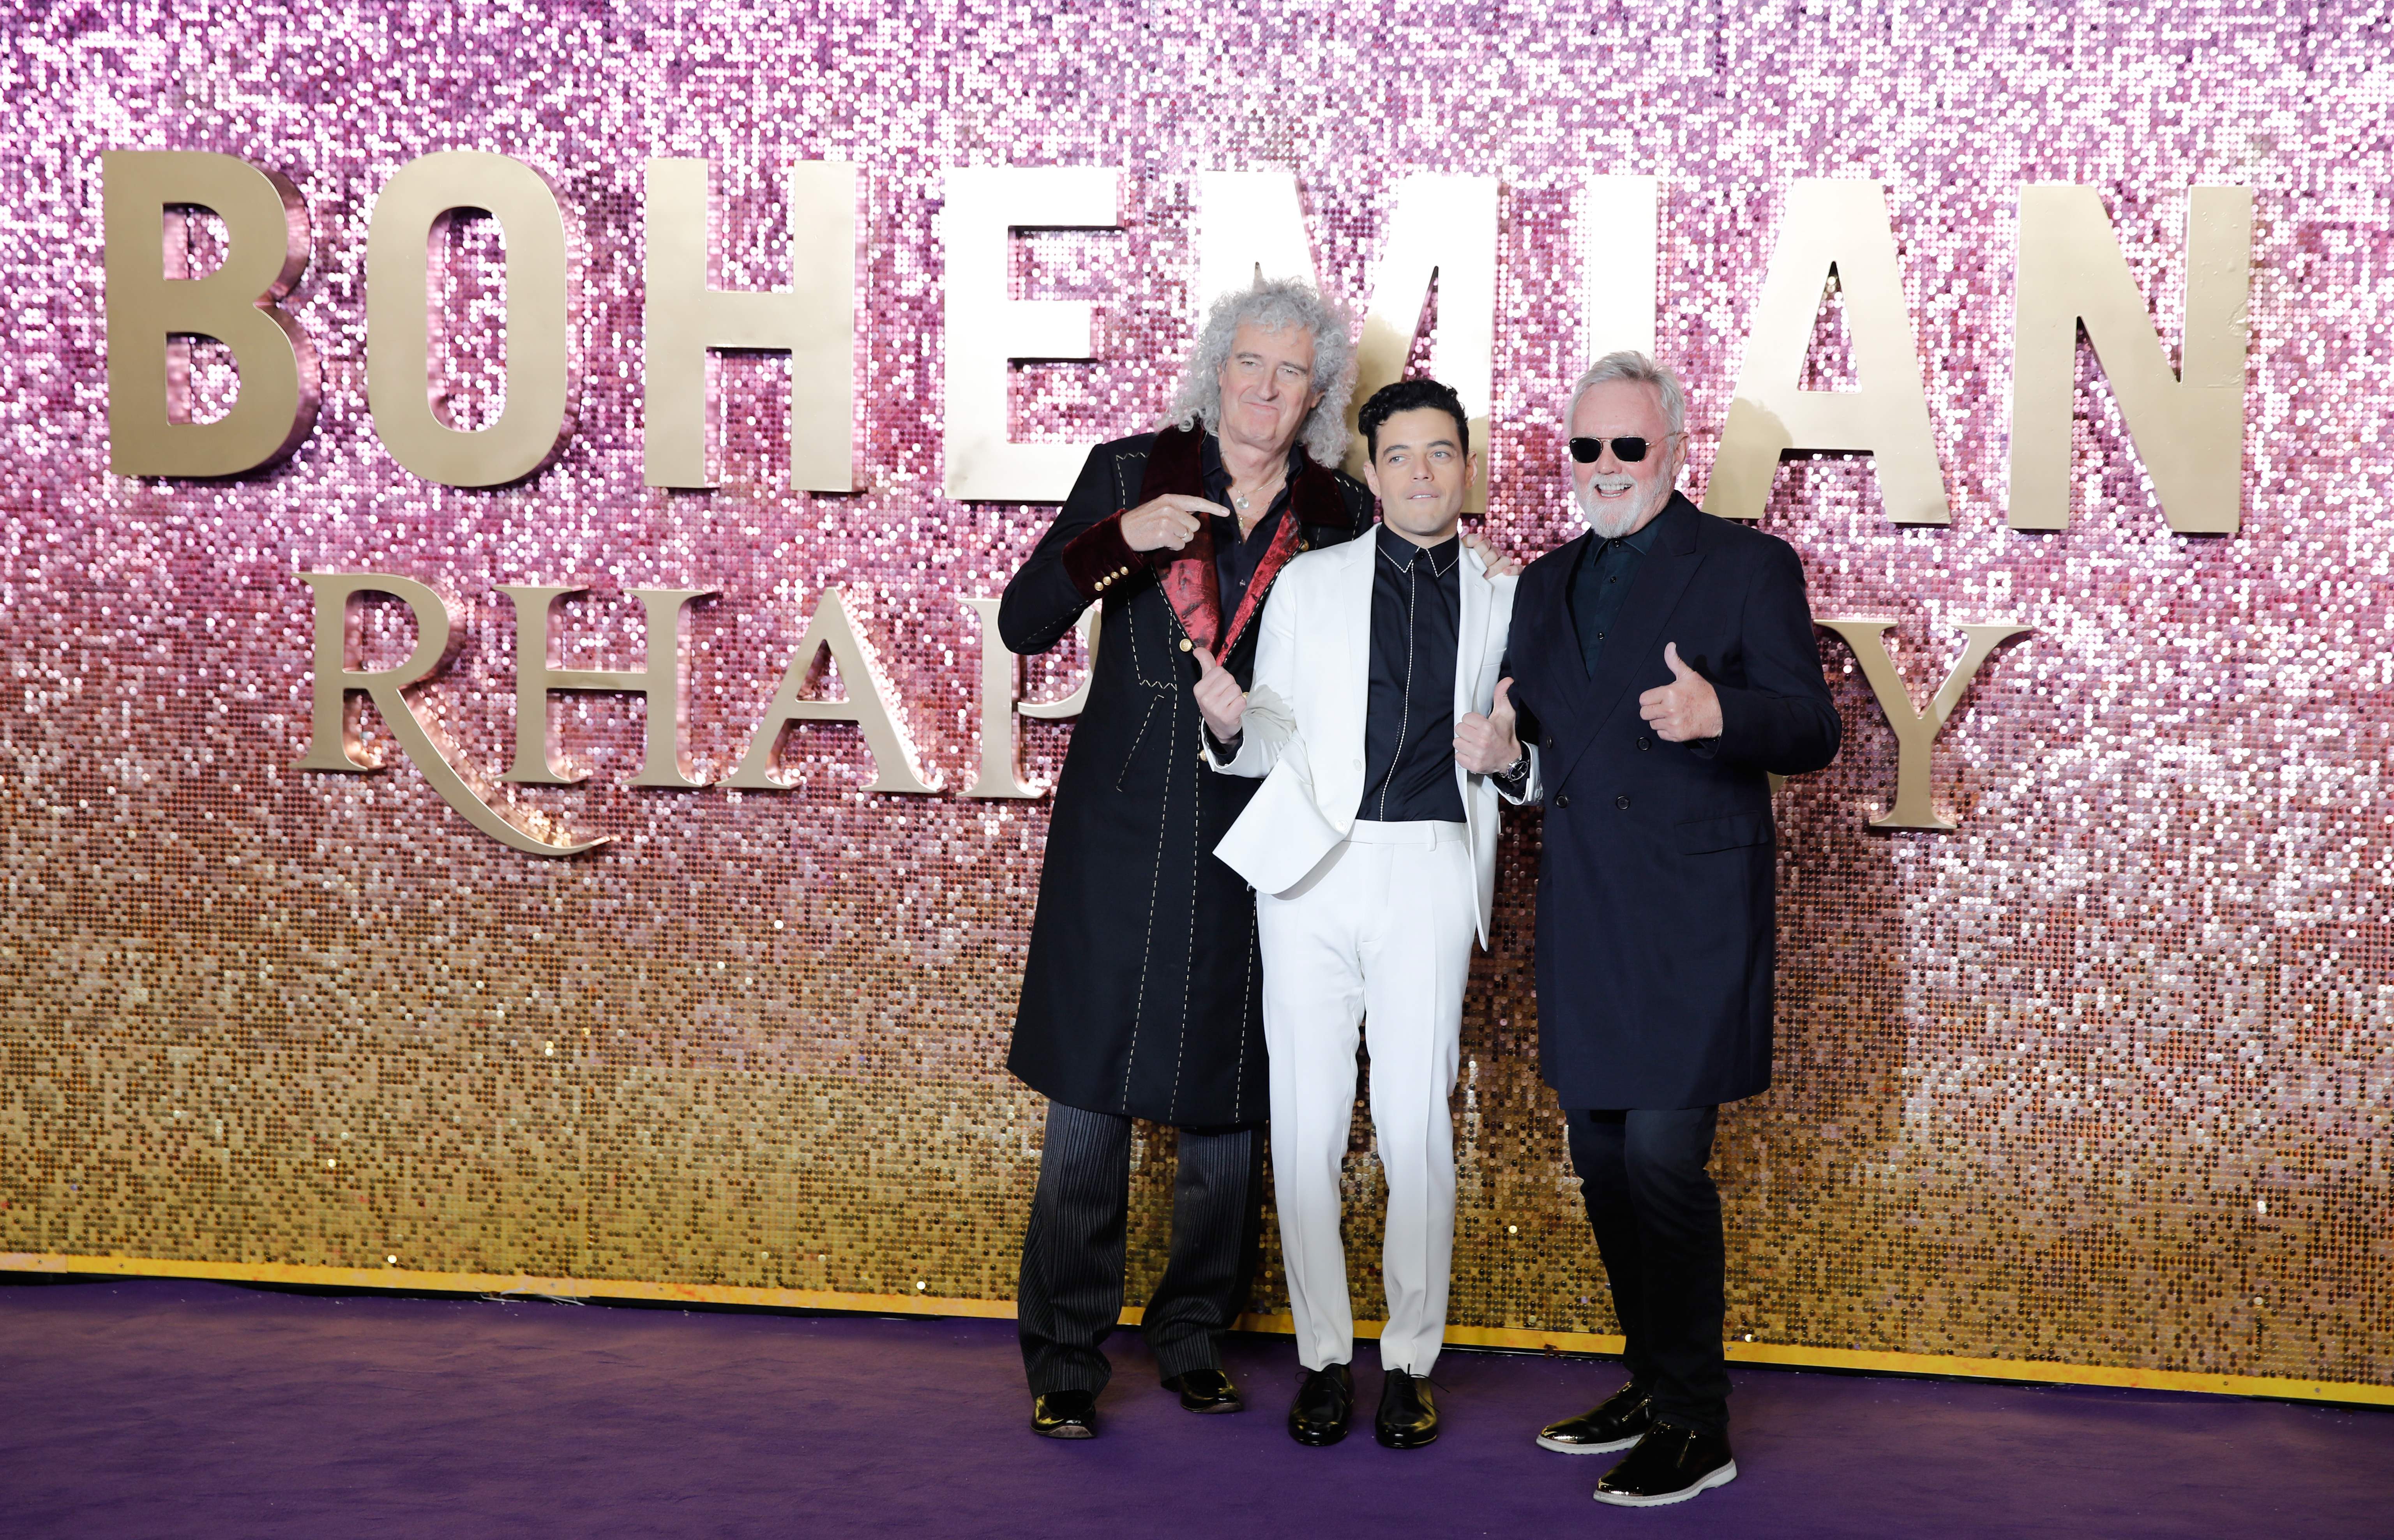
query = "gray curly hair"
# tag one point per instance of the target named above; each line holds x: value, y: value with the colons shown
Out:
x: 1272, y: 304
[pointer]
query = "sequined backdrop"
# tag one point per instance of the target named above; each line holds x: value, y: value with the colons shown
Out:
x: 2102, y: 1077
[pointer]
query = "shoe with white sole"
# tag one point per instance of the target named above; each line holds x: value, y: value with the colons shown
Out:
x: 1616, y: 1425
x: 1670, y: 1465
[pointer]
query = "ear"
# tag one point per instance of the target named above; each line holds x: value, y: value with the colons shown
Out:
x: 1471, y: 469
x: 1372, y: 476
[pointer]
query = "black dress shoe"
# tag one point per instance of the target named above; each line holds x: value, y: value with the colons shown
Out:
x: 1617, y: 1424
x: 1206, y: 1390
x: 1324, y: 1403
x: 1408, y: 1417
x: 1065, y: 1415
x: 1670, y: 1465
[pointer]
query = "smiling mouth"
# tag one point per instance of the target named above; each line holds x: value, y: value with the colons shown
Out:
x: 1612, y: 486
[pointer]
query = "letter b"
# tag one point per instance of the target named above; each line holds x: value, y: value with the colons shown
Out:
x: 266, y: 249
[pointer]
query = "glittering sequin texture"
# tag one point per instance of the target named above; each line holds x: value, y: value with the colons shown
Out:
x: 2101, y: 1076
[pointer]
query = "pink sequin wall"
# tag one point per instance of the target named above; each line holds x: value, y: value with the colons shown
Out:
x: 2099, y: 1077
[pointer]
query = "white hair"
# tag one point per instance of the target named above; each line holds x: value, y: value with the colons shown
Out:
x: 1630, y: 364
x: 1271, y: 304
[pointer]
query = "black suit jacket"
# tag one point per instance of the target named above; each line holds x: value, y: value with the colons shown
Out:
x: 1143, y: 990
x: 1656, y: 929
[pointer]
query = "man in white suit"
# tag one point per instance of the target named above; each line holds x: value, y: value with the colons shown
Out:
x: 1372, y: 852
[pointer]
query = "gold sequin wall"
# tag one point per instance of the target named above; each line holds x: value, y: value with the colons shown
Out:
x: 2101, y: 1076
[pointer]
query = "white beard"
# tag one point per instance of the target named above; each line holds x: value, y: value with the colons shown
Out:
x: 1611, y: 520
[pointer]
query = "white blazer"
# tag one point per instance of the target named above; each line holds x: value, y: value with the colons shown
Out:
x: 1303, y: 732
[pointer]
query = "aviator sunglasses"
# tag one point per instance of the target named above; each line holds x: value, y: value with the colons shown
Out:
x: 1628, y: 449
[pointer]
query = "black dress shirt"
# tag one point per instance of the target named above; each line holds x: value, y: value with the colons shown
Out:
x: 1409, y: 725
x: 1606, y: 569
x: 1235, y: 561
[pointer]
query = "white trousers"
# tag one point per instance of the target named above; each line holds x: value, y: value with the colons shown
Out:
x: 1382, y: 929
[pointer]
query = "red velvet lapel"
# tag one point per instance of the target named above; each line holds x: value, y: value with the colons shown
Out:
x: 1176, y: 463
x: 1191, y: 584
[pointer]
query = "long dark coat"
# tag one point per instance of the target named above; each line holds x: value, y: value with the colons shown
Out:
x: 1656, y: 917
x: 1142, y: 991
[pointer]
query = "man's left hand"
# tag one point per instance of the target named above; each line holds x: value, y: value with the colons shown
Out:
x: 1685, y: 710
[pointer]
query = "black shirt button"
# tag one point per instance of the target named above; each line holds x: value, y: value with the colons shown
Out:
x: 1622, y: 802
x: 1644, y: 744
x: 1563, y: 800
x: 1550, y: 739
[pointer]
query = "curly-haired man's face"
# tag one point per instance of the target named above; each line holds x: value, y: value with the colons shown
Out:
x: 1268, y: 387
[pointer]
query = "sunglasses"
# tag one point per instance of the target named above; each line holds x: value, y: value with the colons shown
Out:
x: 1628, y: 449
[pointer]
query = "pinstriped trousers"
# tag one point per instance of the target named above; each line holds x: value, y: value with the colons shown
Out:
x: 1071, y: 1293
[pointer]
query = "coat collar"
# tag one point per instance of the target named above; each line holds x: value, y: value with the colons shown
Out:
x: 1577, y: 705
x: 1176, y: 461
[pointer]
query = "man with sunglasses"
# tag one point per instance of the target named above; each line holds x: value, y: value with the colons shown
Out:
x: 1660, y: 667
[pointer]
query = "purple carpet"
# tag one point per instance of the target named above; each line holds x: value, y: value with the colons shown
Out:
x: 162, y: 1408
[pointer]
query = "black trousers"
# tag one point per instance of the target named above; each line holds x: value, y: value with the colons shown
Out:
x: 1071, y: 1293
x: 1657, y: 1219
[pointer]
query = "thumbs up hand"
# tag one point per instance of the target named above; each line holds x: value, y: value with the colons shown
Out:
x: 1686, y: 709
x: 1218, y: 697
x: 1485, y: 744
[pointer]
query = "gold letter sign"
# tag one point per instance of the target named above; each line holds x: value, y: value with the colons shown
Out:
x: 1916, y: 731
x: 1838, y: 227
x: 813, y: 320
x: 987, y: 326
x: 1001, y: 756
x: 2189, y: 427
x: 869, y: 706
x: 661, y: 684
x: 149, y: 302
x: 538, y: 417
x: 331, y: 745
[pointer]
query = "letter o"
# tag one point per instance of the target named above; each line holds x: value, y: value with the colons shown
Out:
x: 540, y: 294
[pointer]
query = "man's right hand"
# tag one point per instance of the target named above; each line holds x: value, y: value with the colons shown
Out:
x: 1167, y: 523
x: 1219, y: 697
x: 1485, y: 744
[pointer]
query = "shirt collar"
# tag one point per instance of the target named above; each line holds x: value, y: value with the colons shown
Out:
x: 1399, y: 549
x: 1641, y: 542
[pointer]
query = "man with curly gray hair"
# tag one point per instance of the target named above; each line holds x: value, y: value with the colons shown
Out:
x: 1141, y: 993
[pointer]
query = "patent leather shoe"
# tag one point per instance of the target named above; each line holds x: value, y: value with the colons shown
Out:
x: 1670, y: 1465
x: 1325, y: 1402
x: 1618, y: 1424
x: 1065, y: 1415
x: 1408, y: 1416
x: 1206, y: 1390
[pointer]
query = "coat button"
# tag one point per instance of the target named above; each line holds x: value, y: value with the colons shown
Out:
x: 1186, y: 644
x: 1550, y: 741
x: 1644, y: 744
x: 1621, y: 803
x: 1563, y: 800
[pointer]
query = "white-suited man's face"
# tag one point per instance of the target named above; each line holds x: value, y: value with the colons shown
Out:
x: 1420, y: 473
x: 1619, y: 496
